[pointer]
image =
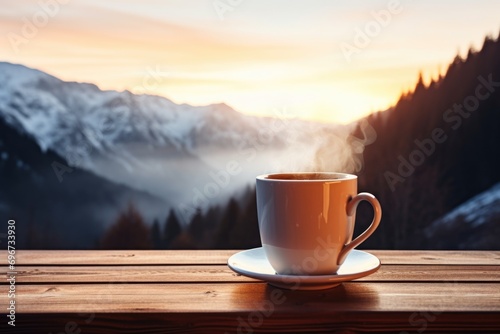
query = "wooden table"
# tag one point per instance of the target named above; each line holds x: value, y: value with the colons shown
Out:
x: 195, y: 292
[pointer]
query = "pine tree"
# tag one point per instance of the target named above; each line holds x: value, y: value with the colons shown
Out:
x: 245, y: 233
x: 156, y: 235
x: 172, y: 229
x: 197, y: 230
x: 229, y: 220
x: 128, y: 232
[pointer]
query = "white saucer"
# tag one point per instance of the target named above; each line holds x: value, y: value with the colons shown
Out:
x: 253, y: 263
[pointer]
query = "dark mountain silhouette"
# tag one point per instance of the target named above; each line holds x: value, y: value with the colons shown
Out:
x: 57, y: 206
x: 435, y: 149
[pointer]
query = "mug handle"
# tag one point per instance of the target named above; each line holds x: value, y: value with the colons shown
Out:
x: 351, y: 210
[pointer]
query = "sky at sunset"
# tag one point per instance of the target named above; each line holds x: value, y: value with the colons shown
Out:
x: 254, y: 55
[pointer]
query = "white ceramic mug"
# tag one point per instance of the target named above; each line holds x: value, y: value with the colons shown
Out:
x: 306, y: 220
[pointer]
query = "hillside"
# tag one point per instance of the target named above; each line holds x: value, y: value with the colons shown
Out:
x: 435, y: 149
x: 57, y: 206
x: 477, y: 222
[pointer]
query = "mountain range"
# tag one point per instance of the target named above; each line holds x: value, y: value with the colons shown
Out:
x: 143, y: 149
x: 148, y: 142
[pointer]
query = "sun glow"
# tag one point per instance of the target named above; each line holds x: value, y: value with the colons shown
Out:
x: 256, y: 59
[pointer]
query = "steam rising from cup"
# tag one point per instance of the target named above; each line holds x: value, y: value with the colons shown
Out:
x: 323, y: 149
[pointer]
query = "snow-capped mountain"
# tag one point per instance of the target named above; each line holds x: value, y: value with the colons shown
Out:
x: 64, y: 115
x: 477, y: 222
x: 148, y: 142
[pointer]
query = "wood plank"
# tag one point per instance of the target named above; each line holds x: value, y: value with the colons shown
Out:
x: 252, y: 297
x: 132, y: 274
x: 431, y: 257
x: 401, y: 296
x: 232, y: 322
x: 221, y: 273
x: 435, y: 273
x: 179, y: 257
x: 120, y: 257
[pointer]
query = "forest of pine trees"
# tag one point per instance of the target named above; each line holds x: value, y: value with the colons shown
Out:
x: 231, y: 227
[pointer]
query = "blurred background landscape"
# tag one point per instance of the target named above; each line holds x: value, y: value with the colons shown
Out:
x: 144, y: 126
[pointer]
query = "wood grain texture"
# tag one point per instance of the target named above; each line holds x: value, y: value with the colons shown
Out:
x: 249, y: 297
x: 110, y: 257
x: 438, y: 257
x: 221, y: 273
x: 201, y: 257
x: 195, y: 292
